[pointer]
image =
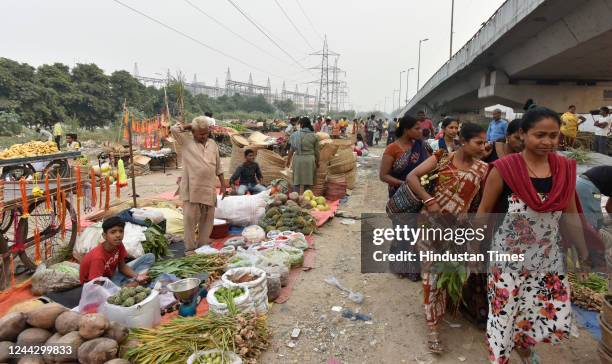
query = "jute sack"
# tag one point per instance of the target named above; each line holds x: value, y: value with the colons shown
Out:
x: 238, y: 148
x: 351, y: 179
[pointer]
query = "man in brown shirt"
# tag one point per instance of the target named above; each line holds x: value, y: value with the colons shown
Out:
x: 197, y: 187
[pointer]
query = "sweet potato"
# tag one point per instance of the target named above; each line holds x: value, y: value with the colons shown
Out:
x: 117, y: 332
x: 93, y: 325
x: 11, y: 325
x: 4, y: 351
x: 67, y: 322
x: 33, y: 336
x: 44, y: 317
x: 72, y: 339
x: 36, y: 359
x: 117, y: 361
x: 98, y: 351
x: 131, y: 343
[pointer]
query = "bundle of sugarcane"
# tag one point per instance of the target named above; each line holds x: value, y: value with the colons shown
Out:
x: 244, y: 334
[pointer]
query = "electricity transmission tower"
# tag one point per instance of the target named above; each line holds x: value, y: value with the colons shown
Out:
x: 324, y: 82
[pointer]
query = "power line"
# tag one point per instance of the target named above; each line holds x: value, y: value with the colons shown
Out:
x: 309, y: 21
x: 231, y: 31
x: 292, y: 23
x: 263, y: 32
x: 194, y: 39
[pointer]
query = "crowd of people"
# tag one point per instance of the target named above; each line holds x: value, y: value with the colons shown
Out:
x: 511, y: 168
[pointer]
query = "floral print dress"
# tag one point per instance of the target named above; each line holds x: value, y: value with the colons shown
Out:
x: 529, y: 300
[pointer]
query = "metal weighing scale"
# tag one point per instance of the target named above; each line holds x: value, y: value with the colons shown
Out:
x: 189, y: 292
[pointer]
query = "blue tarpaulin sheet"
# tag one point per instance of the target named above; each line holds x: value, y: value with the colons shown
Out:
x: 588, y: 320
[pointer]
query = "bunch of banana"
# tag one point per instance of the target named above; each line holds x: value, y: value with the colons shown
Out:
x: 29, y: 149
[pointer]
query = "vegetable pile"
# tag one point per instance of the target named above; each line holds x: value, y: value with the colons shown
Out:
x: 172, y: 343
x: 307, y: 201
x: 215, y: 357
x: 189, y: 266
x: 285, y: 218
x: 588, y: 293
x: 129, y: 296
x: 156, y: 242
x: 88, y: 339
x: 29, y: 149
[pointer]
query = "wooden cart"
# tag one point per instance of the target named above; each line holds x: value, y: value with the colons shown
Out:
x: 17, y: 233
x: 15, y: 168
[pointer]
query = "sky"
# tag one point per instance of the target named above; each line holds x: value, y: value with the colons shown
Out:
x: 376, y: 40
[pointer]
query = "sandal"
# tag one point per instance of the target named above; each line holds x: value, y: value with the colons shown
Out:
x: 435, y: 346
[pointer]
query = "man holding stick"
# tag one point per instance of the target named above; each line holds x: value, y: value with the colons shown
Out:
x: 197, y: 185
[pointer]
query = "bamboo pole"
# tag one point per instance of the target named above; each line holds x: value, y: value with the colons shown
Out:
x: 131, y: 157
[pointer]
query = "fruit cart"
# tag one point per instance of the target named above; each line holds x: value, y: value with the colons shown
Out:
x: 57, y: 163
x: 39, y: 218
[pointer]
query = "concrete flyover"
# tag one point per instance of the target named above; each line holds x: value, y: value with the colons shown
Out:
x: 558, y: 52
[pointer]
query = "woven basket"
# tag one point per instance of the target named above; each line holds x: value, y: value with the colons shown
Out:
x: 327, y: 151
x: 271, y: 165
x: 344, y: 161
x: 335, y: 191
x: 338, y: 178
x: 351, y: 179
x: 343, y: 142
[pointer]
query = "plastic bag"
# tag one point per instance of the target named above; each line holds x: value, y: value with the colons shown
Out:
x: 274, y: 285
x: 280, y: 270
x: 276, y: 257
x: 253, y: 234
x: 147, y: 214
x: 95, y: 293
x: 174, y: 219
x: 144, y: 314
x: 207, y: 250
x: 296, y: 255
x: 133, y: 236
x: 58, y: 277
x: 245, y: 258
x: 242, y: 210
x: 297, y: 240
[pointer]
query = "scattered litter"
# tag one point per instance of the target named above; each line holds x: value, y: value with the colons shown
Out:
x: 421, y: 360
x: 291, y: 344
x: 454, y: 326
x: 373, y: 343
x: 349, y: 314
x: 462, y: 358
x: 353, y: 296
x: 295, y: 333
x: 333, y: 360
x: 347, y: 222
x: 337, y: 308
x: 346, y: 215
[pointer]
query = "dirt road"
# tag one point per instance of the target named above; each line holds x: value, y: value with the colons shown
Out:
x: 397, y: 333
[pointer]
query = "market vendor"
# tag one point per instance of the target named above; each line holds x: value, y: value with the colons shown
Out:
x: 248, y: 175
x: 197, y: 186
x: 72, y: 143
x: 108, y: 258
x: 44, y: 135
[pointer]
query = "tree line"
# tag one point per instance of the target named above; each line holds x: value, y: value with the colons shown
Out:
x: 87, y: 97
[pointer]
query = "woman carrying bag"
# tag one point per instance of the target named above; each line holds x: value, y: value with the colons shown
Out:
x: 399, y: 159
x: 455, y: 192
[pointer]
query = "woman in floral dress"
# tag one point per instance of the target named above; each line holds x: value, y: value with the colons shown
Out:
x: 456, y: 192
x: 529, y: 301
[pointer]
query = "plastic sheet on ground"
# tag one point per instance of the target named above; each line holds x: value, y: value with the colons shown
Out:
x: 323, y: 216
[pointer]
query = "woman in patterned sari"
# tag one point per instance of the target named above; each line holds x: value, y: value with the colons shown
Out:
x: 399, y: 158
x: 456, y: 192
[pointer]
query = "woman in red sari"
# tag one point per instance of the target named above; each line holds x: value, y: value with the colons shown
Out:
x: 529, y: 301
